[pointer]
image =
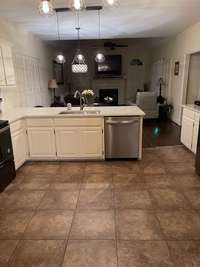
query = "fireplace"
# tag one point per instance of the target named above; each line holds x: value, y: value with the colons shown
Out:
x: 108, y: 97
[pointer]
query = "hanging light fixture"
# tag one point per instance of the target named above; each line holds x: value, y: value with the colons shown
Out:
x: 46, y: 7
x: 78, y: 4
x: 99, y: 58
x: 111, y: 2
x: 60, y: 58
x: 78, y: 63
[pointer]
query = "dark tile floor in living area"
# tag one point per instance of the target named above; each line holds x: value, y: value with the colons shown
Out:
x: 160, y: 133
x: 104, y: 214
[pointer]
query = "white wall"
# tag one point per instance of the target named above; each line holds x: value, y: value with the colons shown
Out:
x: 33, y: 67
x: 133, y: 77
x: 176, y: 49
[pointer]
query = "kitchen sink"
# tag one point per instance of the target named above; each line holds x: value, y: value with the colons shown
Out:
x: 81, y: 112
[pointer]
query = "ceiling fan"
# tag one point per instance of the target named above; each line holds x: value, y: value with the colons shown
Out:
x: 88, y: 8
x: 112, y: 46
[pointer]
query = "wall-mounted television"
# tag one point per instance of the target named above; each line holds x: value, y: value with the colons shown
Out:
x: 111, y: 67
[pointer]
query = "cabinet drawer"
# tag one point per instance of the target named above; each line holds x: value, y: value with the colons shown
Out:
x: 78, y: 122
x: 189, y: 113
x: 17, y: 126
x: 197, y: 116
x: 35, y: 122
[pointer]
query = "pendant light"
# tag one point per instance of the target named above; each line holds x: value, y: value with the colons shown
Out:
x: 78, y: 63
x: 60, y: 58
x: 99, y: 58
x: 46, y: 7
x: 111, y: 2
x: 78, y: 4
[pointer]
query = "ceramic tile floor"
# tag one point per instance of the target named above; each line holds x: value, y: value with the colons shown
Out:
x: 104, y: 214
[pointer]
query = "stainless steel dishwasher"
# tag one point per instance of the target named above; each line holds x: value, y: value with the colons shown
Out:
x: 122, y: 137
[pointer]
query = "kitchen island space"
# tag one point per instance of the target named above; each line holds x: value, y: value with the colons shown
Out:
x: 56, y: 134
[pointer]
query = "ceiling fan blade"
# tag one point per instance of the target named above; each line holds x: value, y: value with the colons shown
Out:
x: 62, y: 9
x: 94, y: 8
x: 121, y: 45
x: 88, y: 8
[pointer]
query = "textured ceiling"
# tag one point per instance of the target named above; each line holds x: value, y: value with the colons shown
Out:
x: 133, y: 18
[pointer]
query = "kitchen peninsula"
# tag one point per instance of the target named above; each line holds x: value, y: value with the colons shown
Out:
x: 60, y: 134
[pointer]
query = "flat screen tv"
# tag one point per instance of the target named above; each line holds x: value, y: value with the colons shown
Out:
x: 111, y: 67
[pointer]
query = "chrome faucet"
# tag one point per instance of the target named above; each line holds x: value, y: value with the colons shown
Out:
x: 76, y: 94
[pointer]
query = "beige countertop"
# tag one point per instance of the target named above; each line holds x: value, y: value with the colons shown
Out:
x: 192, y: 107
x: 19, y: 113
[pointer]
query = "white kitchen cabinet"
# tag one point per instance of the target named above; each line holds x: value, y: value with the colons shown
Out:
x: 41, y: 142
x: 67, y: 142
x: 190, y: 129
x: 187, y: 132
x: 19, y: 142
x: 65, y: 138
x: 19, y: 148
x: 79, y: 142
x: 2, y: 70
x: 7, y: 72
x: 195, y: 137
x: 91, y: 142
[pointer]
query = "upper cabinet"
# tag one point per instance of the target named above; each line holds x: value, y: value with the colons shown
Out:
x: 7, y: 72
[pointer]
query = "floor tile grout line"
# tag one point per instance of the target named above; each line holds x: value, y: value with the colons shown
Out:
x: 116, y: 234
x: 69, y: 233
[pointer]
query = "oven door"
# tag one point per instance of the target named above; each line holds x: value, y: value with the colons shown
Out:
x: 6, y: 150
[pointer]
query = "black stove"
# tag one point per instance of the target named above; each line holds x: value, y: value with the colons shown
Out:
x: 7, y: 165
x: 3, y: 124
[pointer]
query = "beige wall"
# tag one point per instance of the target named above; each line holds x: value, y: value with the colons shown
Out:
x: 193, y: 86
x: 133, y: 77
x: 29, y: 53
x: 177, y: 48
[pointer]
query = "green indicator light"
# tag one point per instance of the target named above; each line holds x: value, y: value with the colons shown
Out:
x: 156, y: 131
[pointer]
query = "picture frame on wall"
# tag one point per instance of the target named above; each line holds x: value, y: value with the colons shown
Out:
x: 58, y: 70
x: 176, y: 68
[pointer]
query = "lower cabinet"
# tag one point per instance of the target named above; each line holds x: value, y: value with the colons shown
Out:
x: 19, y: 143
x: 67, y: 142
x: 187, y: 132
x: 91, y: 142
x: 45, y: 139
x: 41, y: 142
x: 79, y: 142
x: 190, y: 129
x: 195, y: 137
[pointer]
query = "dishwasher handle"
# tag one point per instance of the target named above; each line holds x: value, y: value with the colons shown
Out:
x: 124, y: 122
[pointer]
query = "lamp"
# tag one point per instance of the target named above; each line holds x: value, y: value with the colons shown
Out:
x: 160, y: 98
x: 53, y: 86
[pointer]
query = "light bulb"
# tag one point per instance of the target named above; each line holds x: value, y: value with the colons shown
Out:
x: 78, y: 4
x: 60, y: 58
x: 111, y: 2
x: 100, y: 58
x: 80, y: 57
x: 46, y: 7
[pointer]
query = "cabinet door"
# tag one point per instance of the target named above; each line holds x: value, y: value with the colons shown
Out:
x: 91, y: 142
x: 67, y: 142
x: 8, y: 65
x: 195, y: 137
x: 187, y: 132
x: 2, y: 71
x: 19, y: 143
x: 41, y: 143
